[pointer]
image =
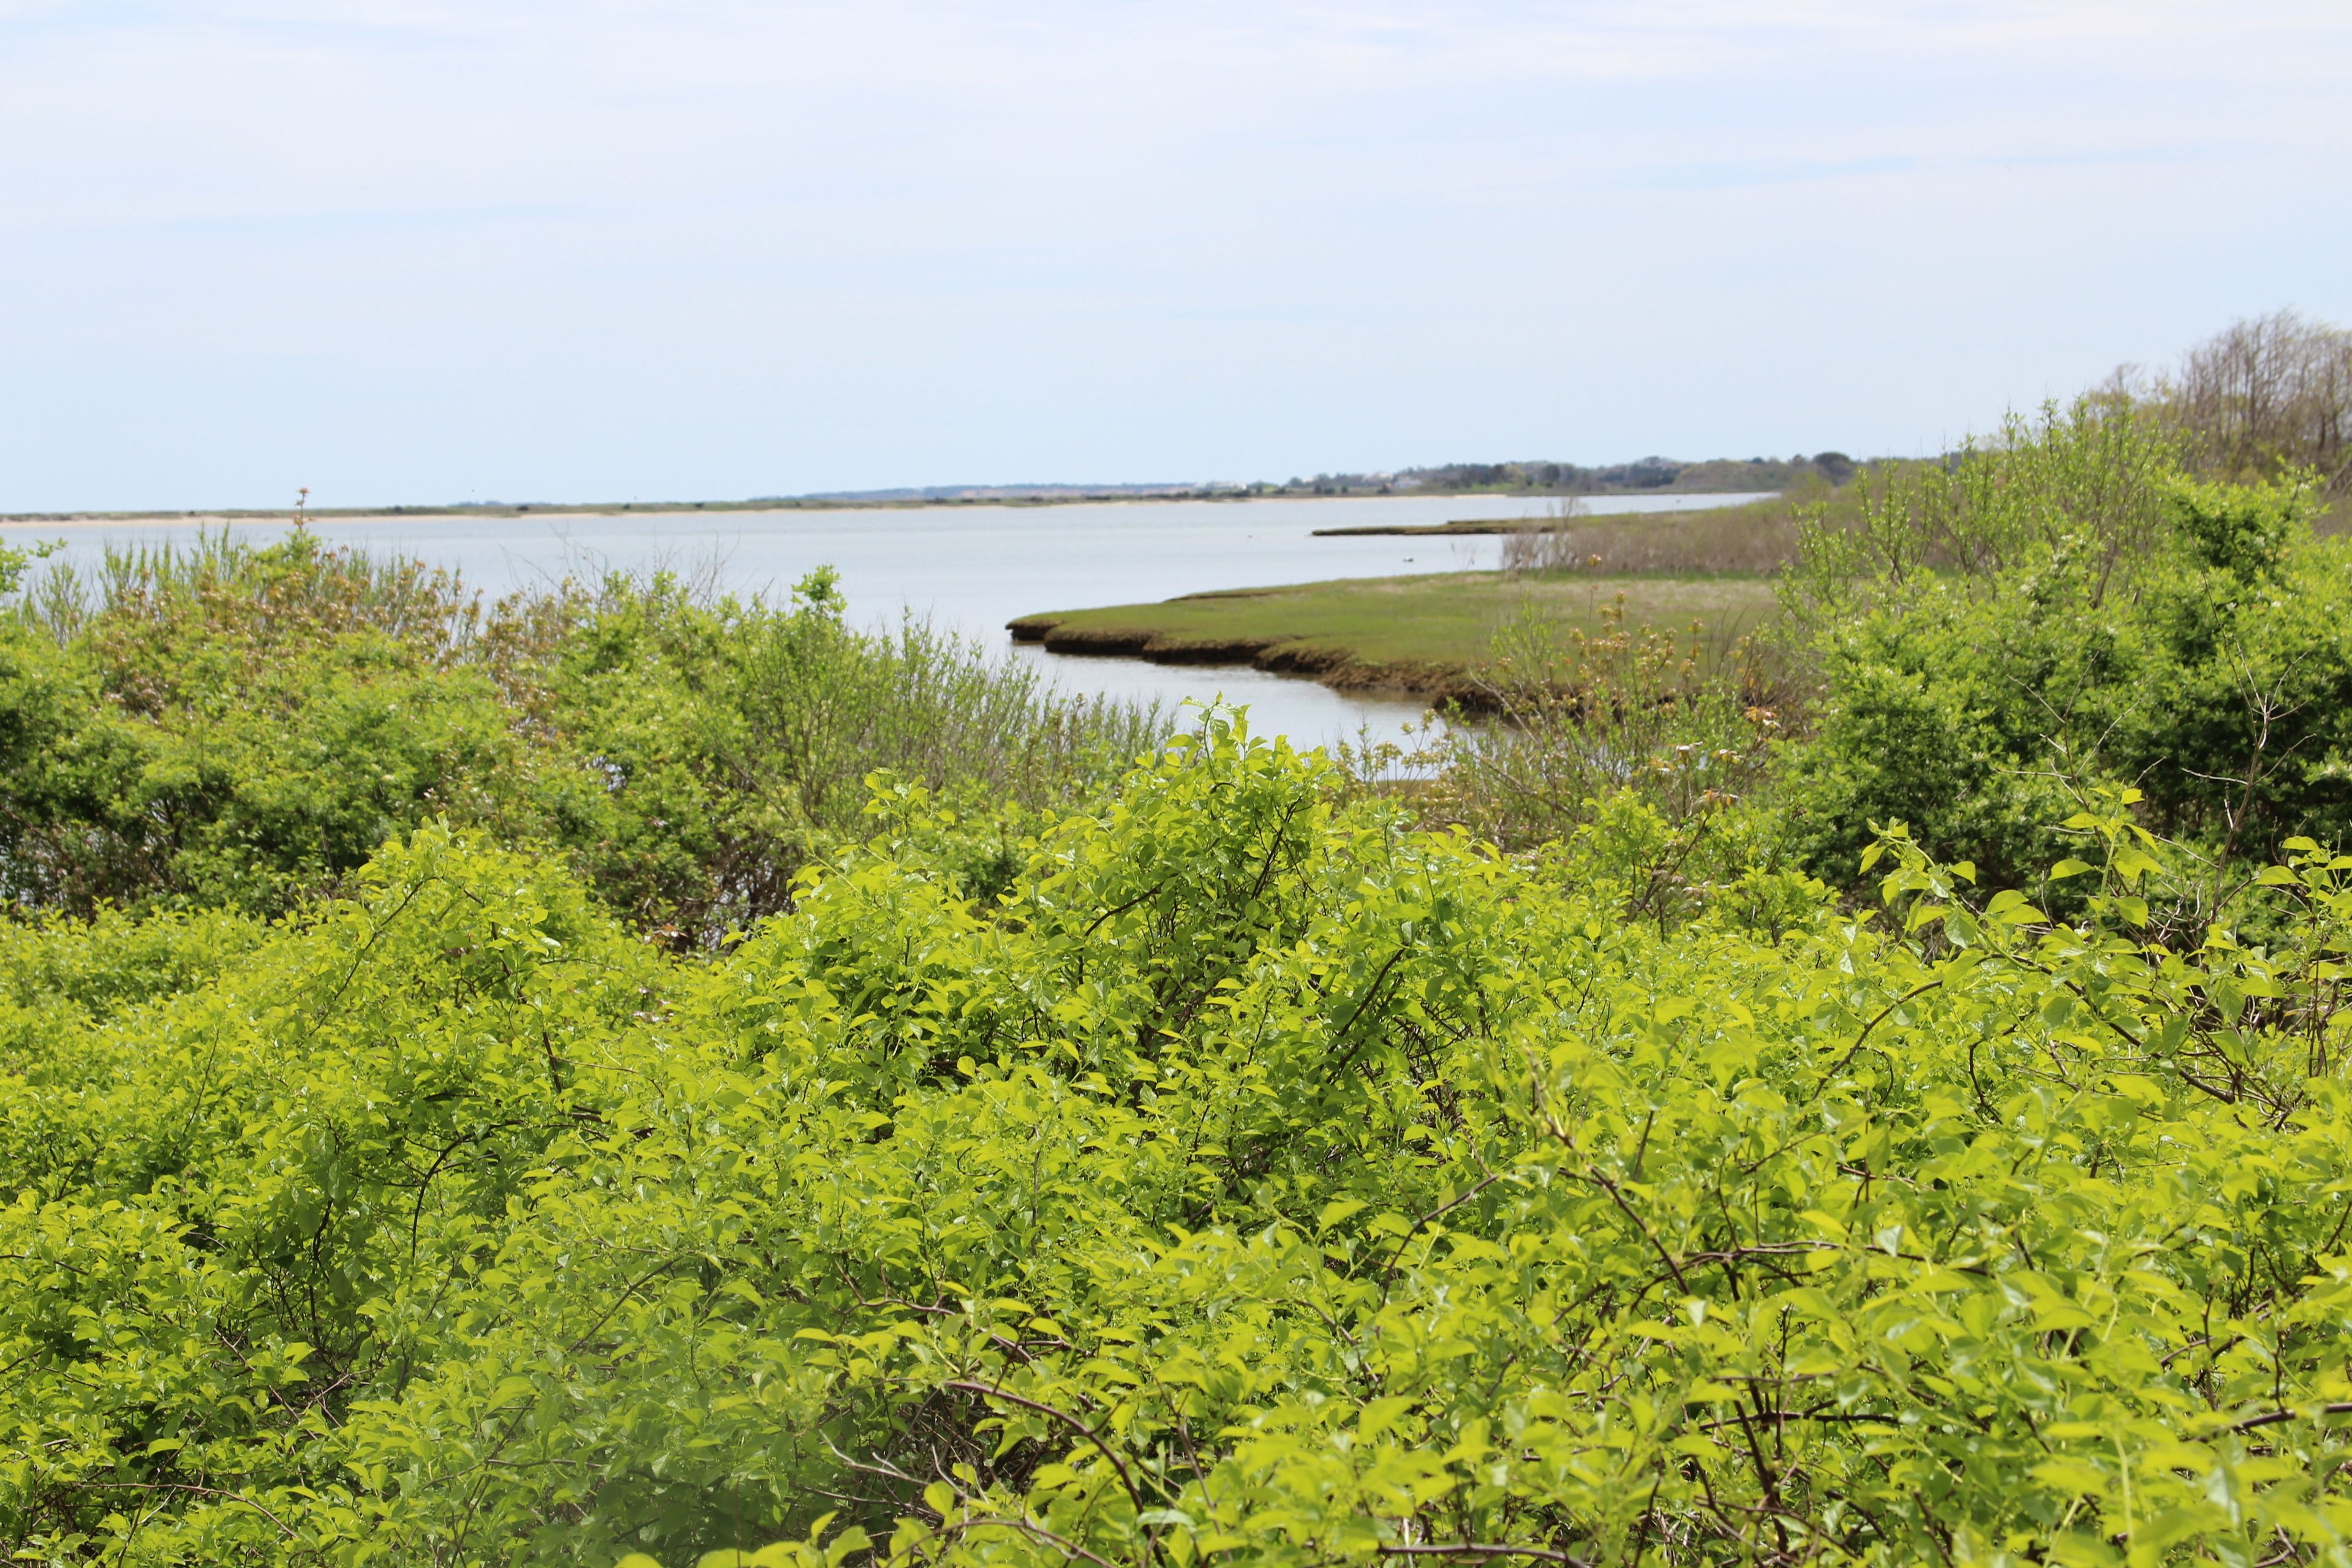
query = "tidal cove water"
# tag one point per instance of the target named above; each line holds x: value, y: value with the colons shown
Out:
x: 972, y: 568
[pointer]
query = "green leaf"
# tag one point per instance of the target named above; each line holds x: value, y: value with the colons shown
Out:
x: 1336, y: 1210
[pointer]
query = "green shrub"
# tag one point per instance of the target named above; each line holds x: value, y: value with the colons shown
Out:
x: 231, y: 726
x: 2198, y: 651
x: 261, y: 780
x: 1257, y: 1178
x: 1967, y: 719
x: 715, y: 747
x: 2092, y: 481
x: 2242, y: 729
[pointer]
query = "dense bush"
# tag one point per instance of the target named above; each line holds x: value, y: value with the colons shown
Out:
x: 717, y: 746
x: 2188, y: 640
x: 1255, y: 1179
x: 2242, y: 729
x: 232, y: 726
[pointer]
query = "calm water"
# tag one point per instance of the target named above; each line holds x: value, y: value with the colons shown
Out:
x: 972, y: 569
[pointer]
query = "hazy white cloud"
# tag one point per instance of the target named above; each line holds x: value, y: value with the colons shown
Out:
x: 723, y: 246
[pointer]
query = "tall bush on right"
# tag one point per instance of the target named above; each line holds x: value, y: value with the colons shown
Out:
x: 2062, y: 609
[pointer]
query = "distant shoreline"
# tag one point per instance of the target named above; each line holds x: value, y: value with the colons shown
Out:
x: 559, y: 510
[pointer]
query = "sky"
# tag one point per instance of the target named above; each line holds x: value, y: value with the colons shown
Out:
x: 417, y: 251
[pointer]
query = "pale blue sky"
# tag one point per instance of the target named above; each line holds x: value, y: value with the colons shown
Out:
x: 425, y: 250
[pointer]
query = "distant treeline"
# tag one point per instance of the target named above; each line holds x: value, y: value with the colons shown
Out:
x: 1718, y: 474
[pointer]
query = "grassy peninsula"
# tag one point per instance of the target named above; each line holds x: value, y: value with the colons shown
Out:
x: 1419, y: 634
x: 1425, y: 633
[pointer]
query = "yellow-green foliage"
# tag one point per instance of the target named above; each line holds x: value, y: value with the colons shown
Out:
x: 225, y: 726
x: 2215, y: 673
x: 1257, y: 1181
